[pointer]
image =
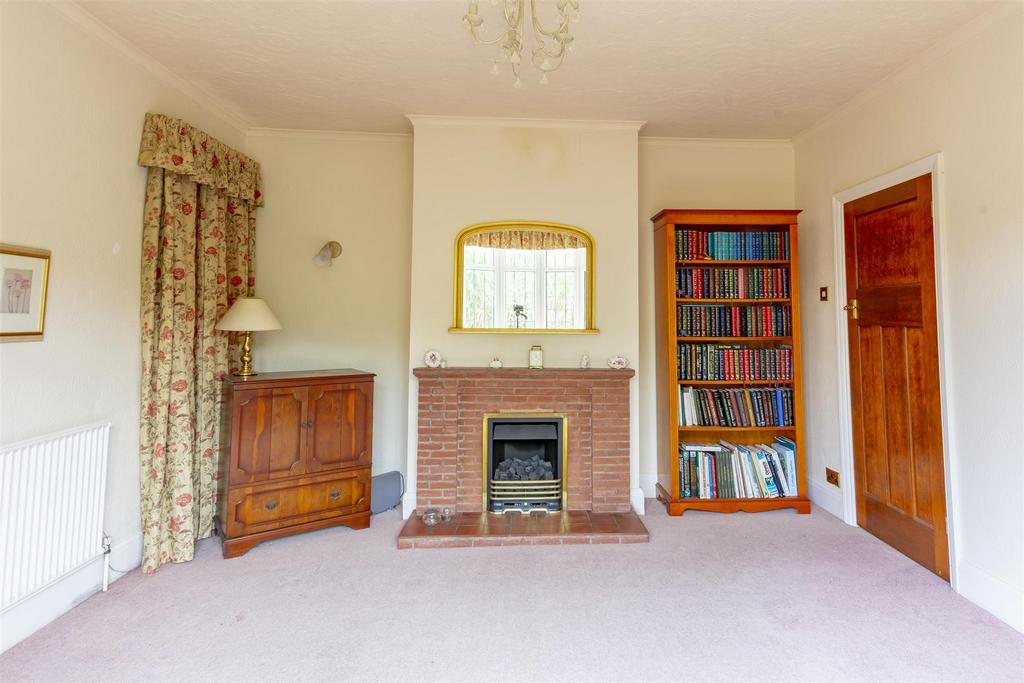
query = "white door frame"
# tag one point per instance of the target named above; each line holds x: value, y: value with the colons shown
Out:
x: 951, y: 463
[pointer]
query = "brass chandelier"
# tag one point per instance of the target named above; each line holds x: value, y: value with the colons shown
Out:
x: 549, y: 46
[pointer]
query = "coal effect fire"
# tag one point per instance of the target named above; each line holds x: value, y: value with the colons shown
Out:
x: 524, y: 469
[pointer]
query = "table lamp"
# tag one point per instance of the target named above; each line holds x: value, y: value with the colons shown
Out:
x: 248, y: 315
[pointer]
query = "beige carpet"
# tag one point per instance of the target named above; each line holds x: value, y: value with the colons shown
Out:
x: 712, y: 597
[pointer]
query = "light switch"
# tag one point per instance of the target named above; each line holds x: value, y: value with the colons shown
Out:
x: 823, y: 294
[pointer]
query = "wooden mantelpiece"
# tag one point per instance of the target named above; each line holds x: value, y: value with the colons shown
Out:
x: 452, y: 405
x: 475, y: 371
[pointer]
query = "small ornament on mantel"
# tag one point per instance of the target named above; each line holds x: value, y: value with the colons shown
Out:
x: 433, y: 359
x: 618, y: 362
x: 495, y: 363
x: 536, y: 358
x: 585, y: 361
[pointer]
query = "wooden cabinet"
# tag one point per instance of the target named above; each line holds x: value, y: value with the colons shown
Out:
x: 296, y: 453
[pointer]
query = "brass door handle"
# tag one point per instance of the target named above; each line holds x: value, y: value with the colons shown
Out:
x: 335, y: 495
x: 852, y: 307
x: 271, y: 505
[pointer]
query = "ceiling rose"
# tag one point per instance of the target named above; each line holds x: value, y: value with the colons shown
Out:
x: 549, y: 46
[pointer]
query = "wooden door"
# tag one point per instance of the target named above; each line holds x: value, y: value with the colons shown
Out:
x: 272, y: 434
x: 342, y: 425
x: 894, y: 371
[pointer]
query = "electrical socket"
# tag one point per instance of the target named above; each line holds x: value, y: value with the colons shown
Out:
x: 831, y: 476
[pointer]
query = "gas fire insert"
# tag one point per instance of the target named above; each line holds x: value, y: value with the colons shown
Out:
x: 524, y: 462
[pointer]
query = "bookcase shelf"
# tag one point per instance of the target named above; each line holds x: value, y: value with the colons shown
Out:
x: 734, y: 339
x: 702, y: 263
x: 736, y: 382
x: 709, y: 226
x: 732, y: 301
x: 705, y: 428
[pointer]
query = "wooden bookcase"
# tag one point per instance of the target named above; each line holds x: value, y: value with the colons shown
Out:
x: 666, y: 223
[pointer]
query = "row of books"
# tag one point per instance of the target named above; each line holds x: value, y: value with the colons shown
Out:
x: 726, y: 470
x: 731, y: 246
x: 735, y: 407
x: 717, y: 362
x: 726, y: 320
x: 733, y: 283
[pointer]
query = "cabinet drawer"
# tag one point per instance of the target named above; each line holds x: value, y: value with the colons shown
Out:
x: 252, y: 509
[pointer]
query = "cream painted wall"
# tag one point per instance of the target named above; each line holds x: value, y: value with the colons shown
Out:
x: 578, y: 175
x: 966, y: 102
x: 356, y: 189
x: 698, y: 174
x: 74, y: 102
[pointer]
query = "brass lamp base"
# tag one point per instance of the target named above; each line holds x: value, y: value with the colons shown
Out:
x: 246, y: 369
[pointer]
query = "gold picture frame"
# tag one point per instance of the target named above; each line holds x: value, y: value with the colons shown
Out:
x: 24, y: 279
x: 539, y: 226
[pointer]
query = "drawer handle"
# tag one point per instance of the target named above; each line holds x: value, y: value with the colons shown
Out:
x: 307, y: 425
x: 271, y: 505
x: 335, y: 495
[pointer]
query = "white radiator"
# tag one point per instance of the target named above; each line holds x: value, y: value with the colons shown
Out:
x: 51, y: 509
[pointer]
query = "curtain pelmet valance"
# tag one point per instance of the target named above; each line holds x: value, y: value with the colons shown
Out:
x: 176, y: 146
x: 525, y: 238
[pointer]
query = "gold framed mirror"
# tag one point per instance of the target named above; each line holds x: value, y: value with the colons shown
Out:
x: 524, y: 277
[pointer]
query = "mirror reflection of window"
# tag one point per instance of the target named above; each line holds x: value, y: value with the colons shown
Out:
x: 524, y: 276
x: 528, y: 289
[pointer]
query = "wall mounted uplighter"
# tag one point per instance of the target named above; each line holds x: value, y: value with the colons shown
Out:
x: 325, y: 257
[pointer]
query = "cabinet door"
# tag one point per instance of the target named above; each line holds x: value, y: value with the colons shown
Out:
x: 288, y: 433
x: 342, y: 426
x: 270, y: 440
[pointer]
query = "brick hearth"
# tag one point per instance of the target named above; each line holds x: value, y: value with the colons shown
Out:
x: 453, y: 401
x: 477, y: 529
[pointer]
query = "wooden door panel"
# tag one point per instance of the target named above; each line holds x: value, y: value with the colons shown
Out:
x: 883, y: 238
x: 920, y: 419
x: 342, y: 426
x: 908, y: 535
x: 891, y: 305
x: 893, y: 341
x: 896, y: 454
x: 251, y: 448
x: 872, y: 433
x: 287, y: 433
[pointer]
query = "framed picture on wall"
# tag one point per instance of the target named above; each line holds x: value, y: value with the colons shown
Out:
x: 24, y: 272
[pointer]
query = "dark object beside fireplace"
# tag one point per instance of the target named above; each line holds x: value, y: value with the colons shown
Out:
x: 524, y: 464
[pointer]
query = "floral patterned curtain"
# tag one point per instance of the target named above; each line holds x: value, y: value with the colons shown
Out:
x: 512, y: 237
x: 199, y: 230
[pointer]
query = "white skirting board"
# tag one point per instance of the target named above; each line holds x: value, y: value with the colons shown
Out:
x: 647, y: 482
x: 38, y: 610
x: 828, y: 498
x: 993, y: 595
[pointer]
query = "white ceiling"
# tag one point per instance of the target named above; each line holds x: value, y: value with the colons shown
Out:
x: 719, y: 68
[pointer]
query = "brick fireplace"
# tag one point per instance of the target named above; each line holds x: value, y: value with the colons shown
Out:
x: 453, y: 403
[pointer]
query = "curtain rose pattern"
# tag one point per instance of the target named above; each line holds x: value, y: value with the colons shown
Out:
x: 525, y: 238
x: 199, y: 231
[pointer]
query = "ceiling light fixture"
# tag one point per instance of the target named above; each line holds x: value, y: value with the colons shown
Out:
x: 549, y: 47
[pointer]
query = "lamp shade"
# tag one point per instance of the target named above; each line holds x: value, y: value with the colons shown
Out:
x: 249, y: 315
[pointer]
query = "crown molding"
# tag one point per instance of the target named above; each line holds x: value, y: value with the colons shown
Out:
x: 1002, y: 11
x: 659, y: 141
x: 346, y: 135
x: 84, y: 20
x: 507, y: 122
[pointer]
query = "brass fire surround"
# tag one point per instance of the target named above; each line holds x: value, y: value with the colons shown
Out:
x: 562, y: 481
